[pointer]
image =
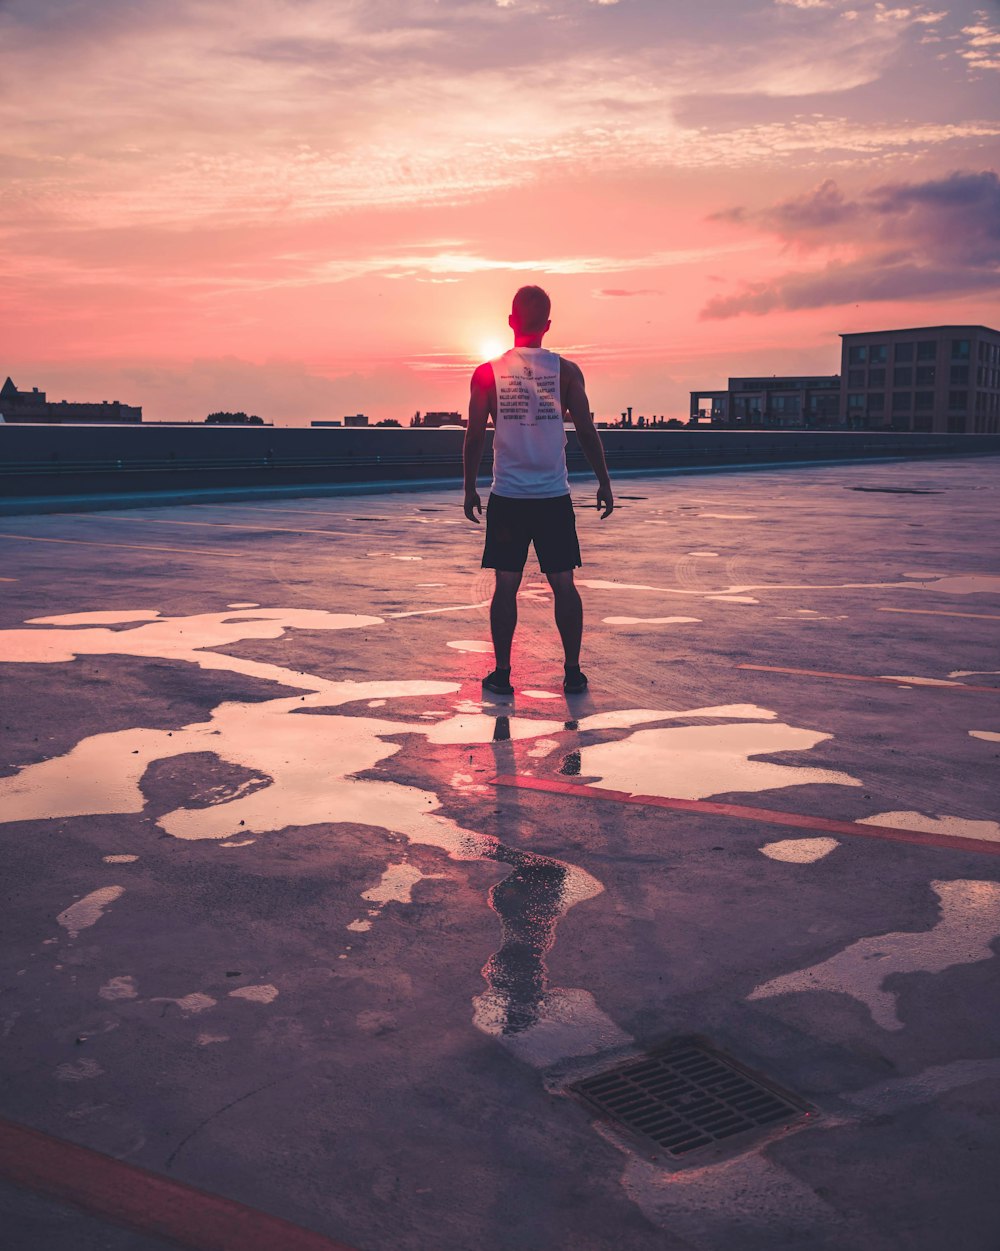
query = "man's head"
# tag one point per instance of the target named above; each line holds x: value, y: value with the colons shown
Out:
x: 529, y: 314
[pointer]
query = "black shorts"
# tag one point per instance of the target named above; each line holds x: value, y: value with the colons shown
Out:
x: 513, y: 524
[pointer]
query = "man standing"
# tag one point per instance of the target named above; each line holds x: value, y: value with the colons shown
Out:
x: 527, y: 392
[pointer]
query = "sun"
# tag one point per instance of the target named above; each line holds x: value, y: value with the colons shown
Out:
x: 491, y: 347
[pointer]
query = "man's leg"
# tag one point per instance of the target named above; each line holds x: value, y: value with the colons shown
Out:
x: 569, y: 615
x: 503, y: 616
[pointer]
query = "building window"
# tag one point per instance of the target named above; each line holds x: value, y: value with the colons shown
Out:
x: 925, y: 375
x: 958, y: 400
x: 902, y: 377
x: 923, y: 401
x: 927, y: 350
x: 960, y: 349
x: 876, y: 377
x: 878, y: 354
x: 959, y: 375
x: 857, y: 355
x: 902, y: 352
x: 857, y: 402
x: 956, y: 425
x: 876, y: 402
x: 923, y: 423
x: 855, y: 377
x: 902, y: 401
x: 900, y: 421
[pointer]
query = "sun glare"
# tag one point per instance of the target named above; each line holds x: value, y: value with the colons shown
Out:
x: 491, y: 348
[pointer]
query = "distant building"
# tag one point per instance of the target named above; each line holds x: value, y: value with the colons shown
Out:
x: 358, y: 419
x: 941, y: 379
x: 338, y: 424
x: 32, y: 406
x: 437, y: 420
x: 798, y: 401
x: 944, y: 379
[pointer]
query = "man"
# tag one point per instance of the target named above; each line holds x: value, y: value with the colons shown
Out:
x: 527, y: 392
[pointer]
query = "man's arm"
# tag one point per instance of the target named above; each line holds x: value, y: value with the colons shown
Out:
x: 578, y: 405
x: 482, y: 401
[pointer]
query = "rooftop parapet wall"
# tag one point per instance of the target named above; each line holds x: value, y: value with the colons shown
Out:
x: 80, y: 460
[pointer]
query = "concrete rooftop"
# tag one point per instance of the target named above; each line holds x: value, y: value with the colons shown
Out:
x: 274, y: 931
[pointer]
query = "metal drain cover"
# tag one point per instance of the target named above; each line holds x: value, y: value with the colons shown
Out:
x: 686, y: 1096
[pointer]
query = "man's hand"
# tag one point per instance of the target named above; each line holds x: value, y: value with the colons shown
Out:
x: 473, y: 505
x: 605, y: 499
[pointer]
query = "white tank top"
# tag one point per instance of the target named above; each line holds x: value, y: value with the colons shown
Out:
x: 529, y: 445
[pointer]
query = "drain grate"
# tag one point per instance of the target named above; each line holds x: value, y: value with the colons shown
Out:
x: 686, y: 1096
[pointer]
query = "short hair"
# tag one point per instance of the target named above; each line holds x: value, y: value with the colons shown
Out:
x: 532, y: 308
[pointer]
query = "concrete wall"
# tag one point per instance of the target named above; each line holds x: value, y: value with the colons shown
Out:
x: 76, y: 460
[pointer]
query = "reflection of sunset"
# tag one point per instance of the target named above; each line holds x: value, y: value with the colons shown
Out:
x: 358, y: 197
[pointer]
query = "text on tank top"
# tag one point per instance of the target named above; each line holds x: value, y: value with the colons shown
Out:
x: 529, y: 444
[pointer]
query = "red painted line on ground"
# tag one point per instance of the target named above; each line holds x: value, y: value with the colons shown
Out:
x: 887, y: 833
x: 144, y: 1201
x: 858, y: 677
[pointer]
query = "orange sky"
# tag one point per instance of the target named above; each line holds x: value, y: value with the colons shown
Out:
x: 306, y: 208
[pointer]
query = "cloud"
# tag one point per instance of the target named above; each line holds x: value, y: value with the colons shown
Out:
x: 612, y: 293
x: 904, y: 240
x: 982, y: 50
x: 169, y: 112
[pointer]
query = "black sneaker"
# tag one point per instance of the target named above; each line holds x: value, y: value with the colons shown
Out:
x: 497, y: 683
x: 575, y: 682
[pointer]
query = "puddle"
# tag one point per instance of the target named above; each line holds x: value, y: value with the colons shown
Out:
x: 471, y: 645
x: 193, y: 639
x: 912, y: 681
x: 959, y: 584
x: 969, y: 921
x: 88, y: 910
x: 799, y: 850
x: 696, y: 762
x: 952, y: 827
x: 119, y: 988
x: 256, y: 994
x: 530, y: 902
x: 397, y: 883
x: 314, y: 759
x: 191, y: 1004
x: 650, y: 620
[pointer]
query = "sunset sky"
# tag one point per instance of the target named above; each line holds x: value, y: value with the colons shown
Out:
x: 306, y: 208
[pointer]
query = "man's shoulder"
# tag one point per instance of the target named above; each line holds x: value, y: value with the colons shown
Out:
x: 483, y: 378
x: 570, y: 370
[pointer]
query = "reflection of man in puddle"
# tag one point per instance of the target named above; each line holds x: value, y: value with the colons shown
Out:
x: 528, y: 391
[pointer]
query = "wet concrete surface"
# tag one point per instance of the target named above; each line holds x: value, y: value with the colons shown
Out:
x: 274, y: 932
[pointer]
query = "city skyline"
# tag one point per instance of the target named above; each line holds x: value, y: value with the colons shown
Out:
x: 327, y: 209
